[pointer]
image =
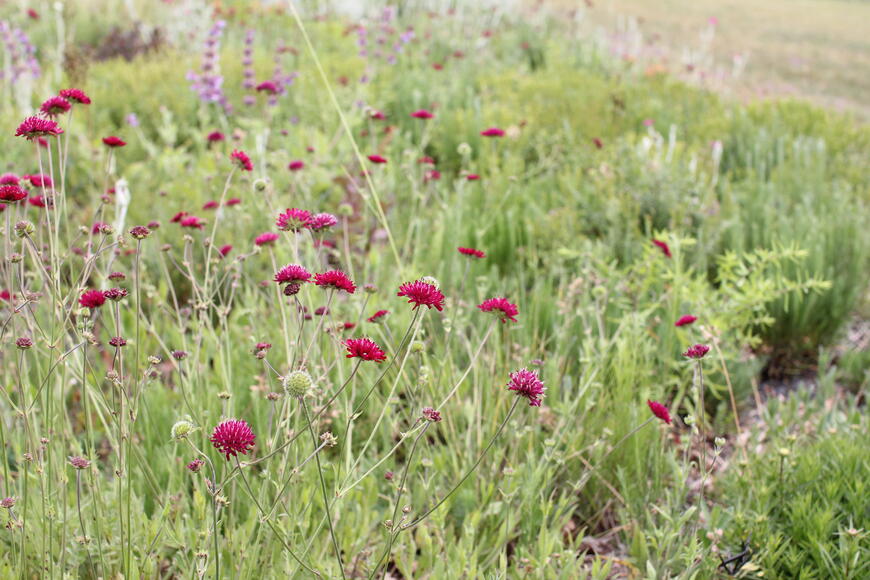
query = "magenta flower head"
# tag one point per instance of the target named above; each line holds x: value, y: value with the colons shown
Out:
x: 322, y: 221
x: 685, y: 320
x: 378, y: 316
x: 233, y: 437
x: 76, y: 96
x: 92, y: 299
x: 266, y: 239
x: 55, y: 106
x: 293, y: 220
x: 38, y: 180
x: 241, y: 159
x: 697, y: 352
x: 422, y: 114
x: 364, y: 349
x: 192, y: 221
x: 296, y: 165
x: 292, y: 274
x: 501, y: 308
x: 113, y: 142
x: 79, y: 462
x: 33, y: 127
x: 421, y: 293
x: 195, y: 465
x: 492, y: 132
x: 663, y: 247
x: 378, y: 159
x: 471, y: 252
x: 527, y: 384
x: 215, y: 137
x: 267, y: 87
x: 335, y: 279
x: 659, y: 411
x: 11, y: 193
x: 431, y: 415
x: 9, y: 179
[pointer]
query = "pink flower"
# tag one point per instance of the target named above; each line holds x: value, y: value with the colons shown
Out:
x: 365, y: 349
x: 432, y: 175
x: 34, y: 127
x: 241, y: 159
x: 178, y: 217
x: 232, y: 201
x: 431, y: 414
x: 492, y: 132
x: 472, y: 177
x: 422, y: 114
x: 293, y: 220
x: 292, y: 274
x: 685, y: 320
x: 210, y: 205
x: 267, y: 87
x: 225, y: 250
x: 266, y: 239
x: 113, y: 141
x: 378, y: 316
x: 92, y: 299
x: 427, y: 160
x: 98, y: 227
x: 9, y: 179
x: 296, y: 165
x: 663, y: 247
x: 335, y: 279
x: 38, y: 201
x: 40, y: 181
x: 192, y: 221
x: 471, y: 252
x: 233, y: 437
x: 11, y: 193
x: 648, y: 122
x: 377, y: 159
x: 115, y: 294
x: 55, y: 106
x: 76, y: 96
x: 215, y: 137
x: 421, y: 293
x: 322, y: 221
x: 527, y: 384
x: 501, y: 307
x: 697, y: 351
x: 377, y: 115
x: 195, y: 465
x: 659, y: 411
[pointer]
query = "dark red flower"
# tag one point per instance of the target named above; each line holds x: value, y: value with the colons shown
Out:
x: 697, y: 351
x: 192, y: 221
x: 432, y: 175
x: 471, y: 252
x: 377, y: 159
x: 226, y: 249
x: 55, y: 106
x: 266, y: 239
x: 11, y: 193
x: 421, y: 293
x: 118, y: 341
x: 321, y: 221
x: 422, y: 114
x: 335, y: 279
x: 501, y: 307
x: 377, y: 115
x: 98, y: 227
x: 215, y: 137
x: 92, y: 299
x: 142, y: 232
x: 241, y: 159
x: 233, y: 201
x: 292, y: 274
x: 598, y: 142
x: 210, y: 205
x: 178, y: 217
x: 472, y: 177
x: 267, y: 87
x: 195, y: 465
x: 378, y: 316
x: 685, y: 320
x: 113, y: 142
x: 296, y: 165
x: 663, y: 247
x: 76, y: 96
x: 233, y: 437
x: 115, y: 294
x: 34, y: 127
x: 38, y: 201
x: 293, y: 220
x: 9, y: 179
x: 431, y: 414
x: 40, y: 181
x: 492, y: 132
x: 364, y: 349
x: 659, y: 411
x: 426, y: 160
x: 527, y: 384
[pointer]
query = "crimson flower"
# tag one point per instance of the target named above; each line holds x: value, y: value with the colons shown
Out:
x: 685, y: 320
x: 378, y: 316
x: 663, y: 247
x: 493, y: 132
x: 195, y: 465
x: 472, y: 177
x: 40, y: 180
x: 11, y: 193
x: 178, y: 217
x: 365, y: 349
x: 377, y: 159
x: 241, y: 159
x: 92, y: 299
x: 422, y: 114
x: 697, y: 351
x: 210, y: 205
x: 322, y: 221
x: 113, y: 141
x: 115, y: 294
x: 335, y: 279
x: 527, y: 384
x: 426, y: 160
x: 421, y: 293
x: 292, y: 274
x: 501, y: 307
x: 34, y: 127
x: 215, y: 137
x: 76, y: 96
x: 233, y: 201
x: 9, y: 179
x: 55, y: 106
x: 266, y: 239
x: 659, y: 411
x: 431, y: 414
x: 377, y: 115
x: 233, y: 437
x: 293, y: 220
x: 471, y: 252
x: 192, y: 221
x: 226, y: 249
x: 296, y: 165
x: 267, y: 87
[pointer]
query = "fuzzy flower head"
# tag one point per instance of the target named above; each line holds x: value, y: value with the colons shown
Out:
x: 697, y: 351
x: 195, y: 465
x: 322, y: 221
x: 34, y: 127
x: 685, y: 320
x: 76, y: 96
x: 364, y: 349
x: 181, y: 429
x: 233, y: 437
x: 55, y: 106
x: 663, y: 247
x: 501, y: 308
x: 420, y: 293
x: 113, y: 142
x: 266, y: 239
x: 92, y: 299
x: 335, y: 279
x: 659, y: 411
x: 241, y: 159
x: 471, y: 252
x: 11, y: 193
x: 115, y: 294
x: 292, y: 274
x: 293, y: 220
x: 297, y: 384
x: 431, y: 415
x: 527, y: 384
x: 140, y: 232
x: 79, y: 462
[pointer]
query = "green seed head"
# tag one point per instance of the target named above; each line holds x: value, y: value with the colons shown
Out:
x: 181, y: 429
x: 297, y: 383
